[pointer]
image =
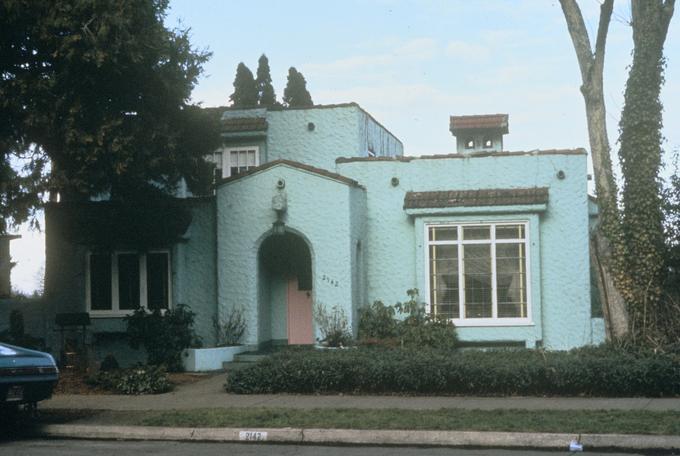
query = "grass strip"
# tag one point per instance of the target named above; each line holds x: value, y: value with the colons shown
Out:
x: 562, y: 421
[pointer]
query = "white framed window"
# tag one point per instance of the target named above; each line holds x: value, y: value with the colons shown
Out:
x: 236, y: 160
x: 118, y: 283
x: 478, y: 273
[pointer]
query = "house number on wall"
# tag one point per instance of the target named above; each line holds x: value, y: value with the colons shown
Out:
x: 330, y: 281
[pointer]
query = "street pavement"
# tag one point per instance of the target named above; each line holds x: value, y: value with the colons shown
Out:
x: 118, y: 448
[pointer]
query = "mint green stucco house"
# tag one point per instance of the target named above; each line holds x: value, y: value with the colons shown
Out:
x: 319, y: 207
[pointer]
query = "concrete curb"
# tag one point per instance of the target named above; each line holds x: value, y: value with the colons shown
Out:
x: 364, y: 437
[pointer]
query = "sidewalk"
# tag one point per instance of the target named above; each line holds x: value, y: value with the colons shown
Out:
x: 209, y: 393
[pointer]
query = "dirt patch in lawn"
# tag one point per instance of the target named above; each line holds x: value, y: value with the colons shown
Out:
x: 185, y: 378
x: 75, y: 382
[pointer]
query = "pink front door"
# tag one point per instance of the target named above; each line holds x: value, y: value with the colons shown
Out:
x: 299, y: 315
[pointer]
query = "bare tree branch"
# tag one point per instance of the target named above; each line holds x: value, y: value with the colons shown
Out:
x: 579, y: 36
x: 605, y: 18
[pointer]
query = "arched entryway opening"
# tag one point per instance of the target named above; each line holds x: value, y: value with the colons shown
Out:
x: 285, y: 289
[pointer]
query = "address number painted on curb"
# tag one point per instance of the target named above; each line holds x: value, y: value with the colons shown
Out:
x: 252, y: 436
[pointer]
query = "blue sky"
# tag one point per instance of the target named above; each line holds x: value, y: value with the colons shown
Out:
x: 412, y: 64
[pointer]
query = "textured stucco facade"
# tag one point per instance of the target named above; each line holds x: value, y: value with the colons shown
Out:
x: 335, y: 181
x: 558, y: 233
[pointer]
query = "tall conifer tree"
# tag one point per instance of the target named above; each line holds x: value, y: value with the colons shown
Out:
x: 245, y: 89
x: 295, y: 93
x: 265, y: 90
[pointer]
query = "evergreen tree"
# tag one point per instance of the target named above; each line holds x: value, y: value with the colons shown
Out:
x: 245, y: 89
x: 295, y: 93
x: 67, y: 100
x: 265, y: 90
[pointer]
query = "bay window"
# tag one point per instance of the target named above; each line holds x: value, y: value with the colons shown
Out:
x: 477, y: 273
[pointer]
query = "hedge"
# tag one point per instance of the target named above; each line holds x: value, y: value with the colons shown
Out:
x: 583, y: 372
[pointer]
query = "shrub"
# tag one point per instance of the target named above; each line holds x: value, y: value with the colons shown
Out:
x: 109, y: 363
x: 163, y: 336
x: 229, y: 332
x: 377, y: 322
x: 333, y: 325
x: 416, y: 328
x: 602, y: 371
x: 133, y: 381
x: 420, y: 329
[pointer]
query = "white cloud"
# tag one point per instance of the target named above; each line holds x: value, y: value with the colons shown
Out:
x: 417, y: 49
x: 467, y: 51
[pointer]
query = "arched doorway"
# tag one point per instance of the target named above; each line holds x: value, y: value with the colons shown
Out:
x: 286, y: 307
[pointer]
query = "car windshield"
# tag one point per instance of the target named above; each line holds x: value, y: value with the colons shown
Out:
x: 6, y: 351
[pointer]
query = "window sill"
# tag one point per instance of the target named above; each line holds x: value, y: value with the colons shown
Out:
x: 117, y: 314
x: 105, y: 314
x: 488, y: 322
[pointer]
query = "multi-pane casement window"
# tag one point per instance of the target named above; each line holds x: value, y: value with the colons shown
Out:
x: 239, y: 159
x: 120, y: 282
x: 478, y: 272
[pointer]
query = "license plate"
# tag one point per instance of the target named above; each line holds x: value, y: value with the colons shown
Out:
x: 15, y: 393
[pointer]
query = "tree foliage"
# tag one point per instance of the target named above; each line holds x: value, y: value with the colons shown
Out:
x: 245, y: 88
x: 295, y: 95
x: 265, y: 89
x: 99, y: 89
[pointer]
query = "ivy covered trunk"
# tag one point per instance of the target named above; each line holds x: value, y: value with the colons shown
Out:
x: 640, y: 155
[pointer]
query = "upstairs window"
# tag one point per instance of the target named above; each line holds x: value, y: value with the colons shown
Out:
x: 120, y: 282
x: 239, y: 160
x: 478, y: 273
x: 470, y: 143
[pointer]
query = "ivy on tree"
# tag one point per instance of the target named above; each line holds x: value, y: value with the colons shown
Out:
x: 295, y: 94
x: 265, y: 89
x: 100, y: 89
x: 245, y: 89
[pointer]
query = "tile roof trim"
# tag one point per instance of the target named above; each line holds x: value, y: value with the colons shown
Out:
x: 293, y: 164
x: 407, y: 158
x: 484, y: 122
x: 476, y: 198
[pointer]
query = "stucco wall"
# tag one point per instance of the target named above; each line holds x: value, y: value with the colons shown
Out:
x: 373, y: 137
x: 193, y: 272
x: 318, y: 210
x: 340, y: 131
x: 395, y: 253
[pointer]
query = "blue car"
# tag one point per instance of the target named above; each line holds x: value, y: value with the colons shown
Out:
x: 26, y: 376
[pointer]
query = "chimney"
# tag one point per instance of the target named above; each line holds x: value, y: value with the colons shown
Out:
x: 479, y: 133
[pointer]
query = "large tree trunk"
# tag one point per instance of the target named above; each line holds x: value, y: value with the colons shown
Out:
x: 608, y: 246
x: 613, y: 305
x: 640, y: 154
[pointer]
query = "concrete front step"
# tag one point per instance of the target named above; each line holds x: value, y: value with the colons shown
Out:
x: 233, y: 365
x: 248, y: 357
